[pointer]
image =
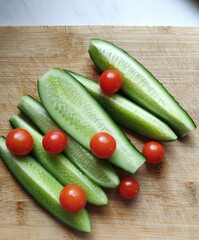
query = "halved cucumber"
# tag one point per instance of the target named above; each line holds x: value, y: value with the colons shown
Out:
x: 141, y: 86
x: 77, y: 112
x: 60, y: 167
x: 44, y: 188
x: 127, y: 113
x: 98, y: 170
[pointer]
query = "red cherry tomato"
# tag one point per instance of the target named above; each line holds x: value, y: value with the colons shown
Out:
x: 54, y: 141
x: 73, y: 198
x: 102, y: 145
x: 129, y: 188
x: 154, y: 152
x: 110, y: 81
x: 19, y: 142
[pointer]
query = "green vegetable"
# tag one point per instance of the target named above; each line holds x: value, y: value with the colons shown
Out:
x: 127, y: 113
x: 73, y: 108
x: 141, y: 86
x: 98, y: 170
x: 60, y: 167
x: 42, y: 187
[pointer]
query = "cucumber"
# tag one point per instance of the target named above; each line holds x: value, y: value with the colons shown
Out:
x: 98, y: 170
x: 77, y: 112
x: 44, y: 188
x: 127, y: 113
x: 59, y: 166
x: 141, y: 86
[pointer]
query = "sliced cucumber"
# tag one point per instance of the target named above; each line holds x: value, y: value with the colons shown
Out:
x: 127, y: 113
x: 44, y: 188
x: 60, y: 167
x: 141, y: 86
x: 98, y: 170
x: 73, y: 108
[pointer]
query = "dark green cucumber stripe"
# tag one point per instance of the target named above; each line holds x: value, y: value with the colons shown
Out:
x: 98, y: 170
x: 77, y: 112
x: 127, y: 113
x: 60, y: 167
x: 44, y: 188
x: 141, y: 86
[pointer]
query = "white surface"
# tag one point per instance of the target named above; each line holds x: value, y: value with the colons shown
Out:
x: 103, y: 12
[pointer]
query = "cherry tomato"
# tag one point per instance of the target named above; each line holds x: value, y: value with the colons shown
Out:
x: 102, y: 145
x: 110, y: 81
x: 54, y: 141
x: 73, y: 198
x: 19, y: 142
x: 129, y: 188
x: 154, y: 152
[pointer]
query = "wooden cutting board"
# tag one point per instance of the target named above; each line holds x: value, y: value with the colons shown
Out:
x: 168, y: 204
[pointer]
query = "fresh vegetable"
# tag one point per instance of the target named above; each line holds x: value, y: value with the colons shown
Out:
x: 54, y: 141
x: 44, y: 188
x: 73, y: 108
x: 102, y: 145
x: 154, y: 152
x: 98, y: 170
x: 73, y: 198
x: 127, y: 113
x: 60, y: 167
x: 110, y: 81
x: 141, y: 86
x: 19, y: 142
x: 129, y: 188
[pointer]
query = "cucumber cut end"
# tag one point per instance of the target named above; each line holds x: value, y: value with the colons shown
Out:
x: 190, y: 126
x: 87, y: 227
x: 113, y: 183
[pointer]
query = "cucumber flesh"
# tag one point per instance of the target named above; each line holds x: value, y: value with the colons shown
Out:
x: 141, y: 86
x: 98, y: 170
x: 44, y: 188
x: 127, y: 113
x: 60, y: 167
x: 76, y: 111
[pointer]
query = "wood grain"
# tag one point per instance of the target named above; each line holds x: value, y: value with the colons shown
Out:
x: 167, y: 206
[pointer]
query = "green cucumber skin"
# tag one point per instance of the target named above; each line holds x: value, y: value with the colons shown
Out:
x: 127, y: 113
x: 77, y: 112
x: 44, y: 188
x: 141, y: 86
x: 60, y: 167
x: 98, y: 170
